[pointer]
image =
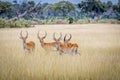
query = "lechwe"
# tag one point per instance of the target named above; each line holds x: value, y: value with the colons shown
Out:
x: 59, y: 45
x: 29, y: 46
x: 66, y: 47
x: 72, y: 47
x: 48, y: 46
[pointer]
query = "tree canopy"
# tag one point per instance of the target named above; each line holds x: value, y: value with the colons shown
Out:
x: 92, y: 6
x: 63, y: 7
x: 5, y: 7
x: 30, y: 9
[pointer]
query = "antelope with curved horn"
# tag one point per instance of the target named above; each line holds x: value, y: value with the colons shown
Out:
x: 72, y: 47
x: 60, y: 46
x: 30, y: 46
x: 57, y: 41
x: 46, y: 46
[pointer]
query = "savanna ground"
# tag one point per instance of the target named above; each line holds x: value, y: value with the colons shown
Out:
x: 99, y: 45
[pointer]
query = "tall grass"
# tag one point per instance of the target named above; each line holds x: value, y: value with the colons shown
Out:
x: 99, y: 46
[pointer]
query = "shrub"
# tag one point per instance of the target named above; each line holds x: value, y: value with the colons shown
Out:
x: 36, y: 21
x: 44, y: 21
x: 70, y: 20
x: 4, y: 23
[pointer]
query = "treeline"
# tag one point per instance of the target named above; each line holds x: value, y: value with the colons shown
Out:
x: 63, y: 11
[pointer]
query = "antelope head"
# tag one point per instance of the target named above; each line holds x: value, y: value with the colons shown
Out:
x: 57, y: 40
x: 24, y: 38
x: 41, y: 39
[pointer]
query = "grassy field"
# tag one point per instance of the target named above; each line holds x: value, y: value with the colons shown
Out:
x: 99, y: 45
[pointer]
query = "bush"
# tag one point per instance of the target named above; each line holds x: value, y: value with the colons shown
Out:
x: 44, y: 21
x: 36, y: 21
x: 112, y: 21
x: 4, y: 23
x: 70, y: 20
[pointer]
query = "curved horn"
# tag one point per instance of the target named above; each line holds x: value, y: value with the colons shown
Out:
x: 45, y: 35
x: 67, y: 39
x: 21, y: 34
x: 54, y: 36
x: 26, y: 34
x: 60, y: 37
x: 70, y: 37
x: 38, y: 34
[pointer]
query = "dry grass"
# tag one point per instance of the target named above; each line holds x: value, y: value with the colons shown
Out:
x: 100, y: 54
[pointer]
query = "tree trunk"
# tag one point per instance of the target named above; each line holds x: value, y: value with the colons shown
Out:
x: 25, y: 13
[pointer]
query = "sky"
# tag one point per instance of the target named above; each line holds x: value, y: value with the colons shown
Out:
x: 76, y: 1
x: 54, y: 1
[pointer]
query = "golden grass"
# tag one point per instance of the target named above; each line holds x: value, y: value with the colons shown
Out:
x: 100, y: 54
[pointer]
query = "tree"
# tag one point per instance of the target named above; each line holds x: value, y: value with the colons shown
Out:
x: 63, y: 7
x: 5, y: 8
x: 116, y: 7
x: 95, y: 6
x: 109, y: 4
x: 27, y: 9
x: 119, y: 6
x: 15, y: 1
x: 118, y: 1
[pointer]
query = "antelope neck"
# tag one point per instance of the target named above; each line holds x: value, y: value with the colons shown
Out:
x: 24, y: 45
x: 42, y: 43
